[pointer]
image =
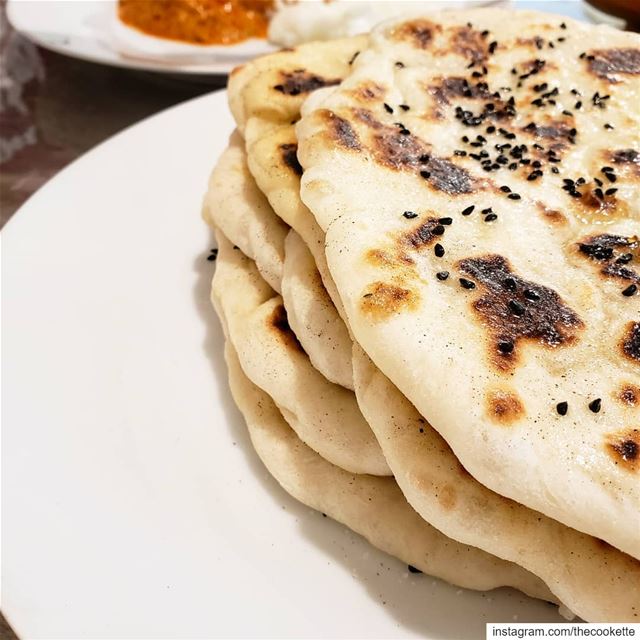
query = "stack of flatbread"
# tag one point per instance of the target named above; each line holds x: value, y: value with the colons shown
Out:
x: 428, y: 277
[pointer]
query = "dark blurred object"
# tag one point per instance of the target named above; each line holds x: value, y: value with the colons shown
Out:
x: 6, y: 632
x: 628, y: 10
x: 54, y: 108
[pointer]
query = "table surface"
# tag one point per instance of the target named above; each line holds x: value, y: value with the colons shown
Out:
x: 54, y: 108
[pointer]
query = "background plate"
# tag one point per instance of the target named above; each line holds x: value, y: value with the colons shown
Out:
x: 133, y: 505
x: 88, y: 30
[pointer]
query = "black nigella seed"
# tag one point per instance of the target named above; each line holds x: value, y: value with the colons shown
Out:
x: 438, y: 250
x: 213, y: 255
x: 625, y: 258
x: 425, y: 157
x: 505, y: 189
x: 487, y: 210
x: 609, y: 126
x: 442, y: 275
x: 469, y: 210
x: 595, y: 405
x: 610, y: 192
x: 563, y: 25
x: 505, y: 347
x: 404, y: 107
x: 425, y: 174
x: 388, y: 108
x: 467, y: 284
x: 410, y: 214
x: 611, y: 177
x: 510, y: 284
x: 491, y: 217
x: 491, y: 129
x: 630, y: 290
x: 400, y: 65
x: 555, y: 170
x: 562, y: 408
x: 412, y: 569
x: 514, y: 196
x: 530, y: 294
x: 446, y: 221
x: 516, y: 308
x: 578, y: 105
x: 513, y: 166
x: 459, y: 152
x: 438, y: 230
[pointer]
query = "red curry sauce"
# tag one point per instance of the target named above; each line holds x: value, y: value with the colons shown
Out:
x: 198, y: 21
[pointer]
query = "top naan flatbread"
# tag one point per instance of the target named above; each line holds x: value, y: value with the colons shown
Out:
x: 478, y: 178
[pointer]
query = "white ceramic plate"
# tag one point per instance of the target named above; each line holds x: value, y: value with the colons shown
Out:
x: 90, y: 30
x: 133, y: 505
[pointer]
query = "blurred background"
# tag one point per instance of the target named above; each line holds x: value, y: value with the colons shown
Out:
x: 72, y: 74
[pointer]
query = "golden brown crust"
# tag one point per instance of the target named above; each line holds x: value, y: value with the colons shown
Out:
x: 381, y: 300
x: 504, y: 407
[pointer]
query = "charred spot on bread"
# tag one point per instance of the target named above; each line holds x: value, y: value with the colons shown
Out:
x: 279, y: 324
x: 629, y: 395
x: 289, y: 154
x: 369, y: 92
x: 630, y: 343
x: 614, y: 253
x: 395, y: 147
x: 624, y: 448
x: 301, y: 81
x: 514, y: 309
x: 341, y: 130
x: 608, y: 63
x: 418, y: 33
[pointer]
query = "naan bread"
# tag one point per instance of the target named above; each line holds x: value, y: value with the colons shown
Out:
x: 265, y: 97
x: 271, y: 88
x: 373, y: 507
x: 503, y: 305
x: 235, y: 204
x: 274, y: 165
x: 312, y: 315
x: 324, y: 415
x: 594, y: 580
